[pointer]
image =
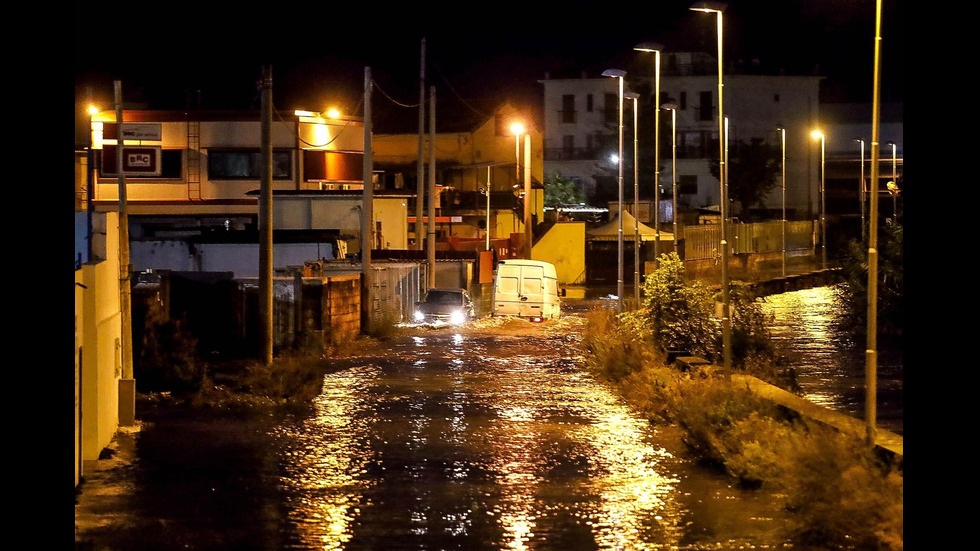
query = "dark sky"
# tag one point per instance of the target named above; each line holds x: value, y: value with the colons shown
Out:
x: 318, y: 51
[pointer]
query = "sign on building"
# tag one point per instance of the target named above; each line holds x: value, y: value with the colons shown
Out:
x: 138, y: 160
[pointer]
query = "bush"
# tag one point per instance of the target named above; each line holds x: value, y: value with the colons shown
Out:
x: 612, y: 349
x: 168, y: 360
x: 678, y: 313
x: 288, y: 380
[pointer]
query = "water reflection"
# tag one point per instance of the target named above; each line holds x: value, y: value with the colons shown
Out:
x: 830, y: 364
x: 457, y: 442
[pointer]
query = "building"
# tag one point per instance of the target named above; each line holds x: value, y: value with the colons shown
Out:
x: 474, y: 144
x: 581, y: 118
x: 847, y: 132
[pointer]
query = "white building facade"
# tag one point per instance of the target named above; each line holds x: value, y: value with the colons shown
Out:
x: 582, y: 117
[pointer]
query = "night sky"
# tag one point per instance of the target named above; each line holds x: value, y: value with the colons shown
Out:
x: 210, y: 54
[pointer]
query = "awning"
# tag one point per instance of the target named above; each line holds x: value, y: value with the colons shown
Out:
x: 610, y: 232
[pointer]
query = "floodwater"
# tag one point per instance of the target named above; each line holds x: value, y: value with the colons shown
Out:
x: 486, y: 437
x: 830, y: 365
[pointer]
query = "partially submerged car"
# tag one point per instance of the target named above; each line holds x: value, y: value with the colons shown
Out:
x: 441, y: 305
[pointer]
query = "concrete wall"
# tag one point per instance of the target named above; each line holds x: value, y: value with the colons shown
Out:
x: 98, y: 360
x: 564, y: 246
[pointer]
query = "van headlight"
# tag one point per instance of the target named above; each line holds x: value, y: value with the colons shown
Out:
x: 419, y: 316
x: 457, y: 317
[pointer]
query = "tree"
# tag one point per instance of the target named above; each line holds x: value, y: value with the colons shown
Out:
x: 561, y: 191
x: 753, y: 170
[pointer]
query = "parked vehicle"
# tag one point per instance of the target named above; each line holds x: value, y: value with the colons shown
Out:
x: 451, y: 306
x: 526, y: 289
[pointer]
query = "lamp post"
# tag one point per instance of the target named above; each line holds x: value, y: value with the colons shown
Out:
x: 871, y: 349
x: 893, y: 187
x: 620, y: 74
x: 782, y: 137
x: 861, y: 191
x: 673, y: 166
x: 823, y: 207
x: 726, y: 323
x: 636, y: 196
x: 488, y: 207
x: 518, y: 129
x: 656, y: 49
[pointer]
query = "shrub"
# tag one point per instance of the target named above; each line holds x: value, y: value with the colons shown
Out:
x: 168, y: 360
x: 678, y: 312
x: 288, y: 380
x: 612, y: 349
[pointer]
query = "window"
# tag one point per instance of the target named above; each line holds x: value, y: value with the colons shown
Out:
x: 612, y: 107
x: 706, y: 110
x: 683, y: 102
x: 775, y: 98
x: 568, y: 108
x: 171, y: 163
x: 568, y: 143
x: 588, y: 103
x: 246, y: 164
x: 687, y: 185
x: 320, y: 166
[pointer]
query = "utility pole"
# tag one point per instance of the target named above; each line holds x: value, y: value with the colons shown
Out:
x: 127, y: 386
x: 265, y: 221
x: 431, y: 241
x: 367, y: 210
x: 420, y: 164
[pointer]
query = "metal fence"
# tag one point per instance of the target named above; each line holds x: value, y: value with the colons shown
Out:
x: 704, y: 241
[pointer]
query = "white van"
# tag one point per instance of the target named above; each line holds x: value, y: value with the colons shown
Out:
x: 526, y: 289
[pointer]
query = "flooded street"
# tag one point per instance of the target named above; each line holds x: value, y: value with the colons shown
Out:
x: 830, y: 365
x: 487, y: 437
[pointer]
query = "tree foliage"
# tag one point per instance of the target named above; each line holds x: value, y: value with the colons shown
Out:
x: 753, y: 170
x: 854, y: 290
x: 559, y: 190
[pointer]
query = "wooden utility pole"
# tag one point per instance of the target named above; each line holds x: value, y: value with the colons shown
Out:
x: 127, y: 385
x: 420, y: 163
x: 431, y: 247
x: 367, y: 210
x: 265, y: 222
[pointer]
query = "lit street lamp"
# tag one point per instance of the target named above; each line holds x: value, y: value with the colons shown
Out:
x: 726, y: 322
x: 620, y: 74
x: 656, y: 49
x: 673, y: 165
x: 861, y: 191
x: 823, y: 212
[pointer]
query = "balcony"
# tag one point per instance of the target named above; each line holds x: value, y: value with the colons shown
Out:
x: 570, y: 154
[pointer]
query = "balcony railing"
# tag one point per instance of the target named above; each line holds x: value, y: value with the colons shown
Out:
x: 570, y: 154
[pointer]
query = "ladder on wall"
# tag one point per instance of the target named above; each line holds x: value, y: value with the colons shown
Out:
x: 194, y: 160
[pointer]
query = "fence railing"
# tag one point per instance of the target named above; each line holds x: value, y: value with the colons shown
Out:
x: 704, y: 241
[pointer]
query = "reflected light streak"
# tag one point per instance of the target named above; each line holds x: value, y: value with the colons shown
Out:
x: 325, y: 463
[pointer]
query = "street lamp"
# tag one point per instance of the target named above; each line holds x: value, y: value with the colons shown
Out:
x: 620, y: 74
x: 861, y: 191
x: 517, y: 128
x: 823, y: 207
x: 673, y: 166
x: 636, y: 195
x: 893, y: 188
x: 726, y: 322
x: 488, y: 206
x: 656, y: 49
x: 782, y: 135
